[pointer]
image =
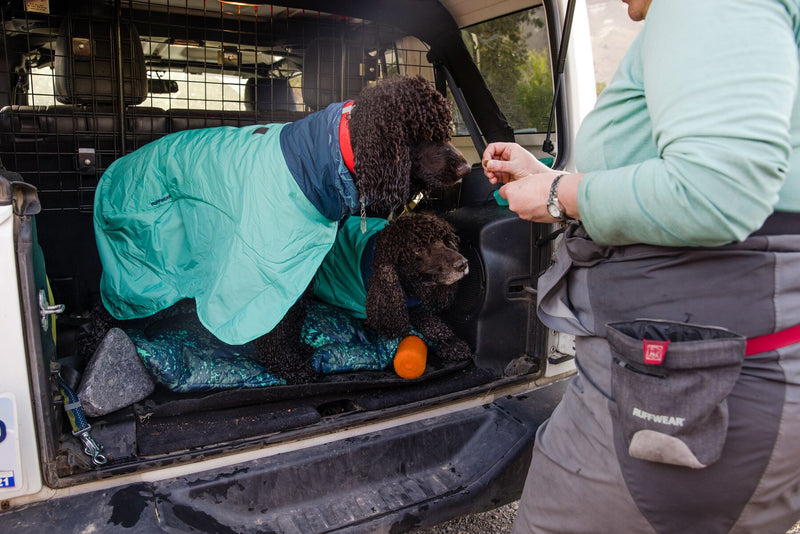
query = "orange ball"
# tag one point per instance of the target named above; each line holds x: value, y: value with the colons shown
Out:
x: 411, y: 357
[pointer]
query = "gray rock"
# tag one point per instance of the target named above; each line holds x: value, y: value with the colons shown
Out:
x: 115, y: 376
x: 521, y: 366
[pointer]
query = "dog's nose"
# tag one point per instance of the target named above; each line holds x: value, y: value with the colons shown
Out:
x: 461, y: 265
x: 464, y: 169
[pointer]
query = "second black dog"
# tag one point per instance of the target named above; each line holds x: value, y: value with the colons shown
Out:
x: 410, y: 279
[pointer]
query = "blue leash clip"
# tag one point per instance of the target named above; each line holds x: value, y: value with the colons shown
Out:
x: 80, y: 426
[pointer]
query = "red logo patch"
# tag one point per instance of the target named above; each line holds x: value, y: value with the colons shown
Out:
x: 654, y: 351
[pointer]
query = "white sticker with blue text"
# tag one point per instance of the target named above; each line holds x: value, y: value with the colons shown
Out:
x: 6, y: 479
x: 9, y: 443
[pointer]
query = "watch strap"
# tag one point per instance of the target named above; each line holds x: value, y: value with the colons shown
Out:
x: 552, y: 201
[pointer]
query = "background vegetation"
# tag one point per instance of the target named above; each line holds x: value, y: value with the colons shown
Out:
x: 516, y: 68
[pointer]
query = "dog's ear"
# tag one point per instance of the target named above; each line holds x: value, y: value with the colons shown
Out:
x: 387, y: 312
x: 387, y: 120
x: 449, y: 236
x: 390, y: 243
x: 383, y: 175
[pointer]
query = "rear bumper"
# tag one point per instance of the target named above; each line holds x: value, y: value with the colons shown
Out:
x: 397, y: 479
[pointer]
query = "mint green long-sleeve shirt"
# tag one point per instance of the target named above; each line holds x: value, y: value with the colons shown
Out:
x: 696, y: 139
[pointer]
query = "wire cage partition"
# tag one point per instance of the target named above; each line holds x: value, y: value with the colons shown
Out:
x: 87, y: 84
x: 82, y: 84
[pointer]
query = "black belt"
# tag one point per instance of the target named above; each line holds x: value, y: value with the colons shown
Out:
x: 780, y: 223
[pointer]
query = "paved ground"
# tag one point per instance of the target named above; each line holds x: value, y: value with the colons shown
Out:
x: 497, y: 521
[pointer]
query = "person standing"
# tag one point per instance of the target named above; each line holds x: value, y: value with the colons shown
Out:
x: 679, y: 273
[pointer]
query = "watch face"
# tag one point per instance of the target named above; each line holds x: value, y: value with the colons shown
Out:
x: 554, y: 211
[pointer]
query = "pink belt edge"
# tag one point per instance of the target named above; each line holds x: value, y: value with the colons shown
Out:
x: 776, y: 340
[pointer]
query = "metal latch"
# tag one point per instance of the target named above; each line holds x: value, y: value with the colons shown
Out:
x: 81, y: 47
x: 87, y: 160
x: 562, y: 348
x: 46, y: 310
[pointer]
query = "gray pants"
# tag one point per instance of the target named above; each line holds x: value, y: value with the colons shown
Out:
x: 582, y: 477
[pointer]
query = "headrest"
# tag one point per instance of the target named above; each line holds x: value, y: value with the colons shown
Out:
x: 86, y: 68
x: 270, y: 94
x: 328, y: 77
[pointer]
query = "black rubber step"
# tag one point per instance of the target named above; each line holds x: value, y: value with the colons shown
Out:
x: 394, y: 480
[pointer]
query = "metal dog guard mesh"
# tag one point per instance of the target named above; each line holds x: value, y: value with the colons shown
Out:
x: 88, y: 84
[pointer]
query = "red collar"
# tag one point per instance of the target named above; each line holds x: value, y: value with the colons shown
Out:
x: 344, y: 138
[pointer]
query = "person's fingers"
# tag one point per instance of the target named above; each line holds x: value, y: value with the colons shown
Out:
x: 495, y: 150
x: 495, y: 170
x: 502, y: 191
x: 506, y: 192
x: 500, y: 151
x: 489, y: 174
x: 497, y: 166
x: 491, y: 152
x: 500, y: 177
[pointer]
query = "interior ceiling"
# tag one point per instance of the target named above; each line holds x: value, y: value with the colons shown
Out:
x: 465, y: 12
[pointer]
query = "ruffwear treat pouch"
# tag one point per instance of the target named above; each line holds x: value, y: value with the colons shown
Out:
x: 670, y: 382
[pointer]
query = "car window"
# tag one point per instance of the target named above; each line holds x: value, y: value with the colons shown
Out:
x: 205, y: 90
x: 41, y: 90
x: 513, y: 55
x: 175, y: 90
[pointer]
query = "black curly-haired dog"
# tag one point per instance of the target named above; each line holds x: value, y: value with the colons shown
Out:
x: 412, y: 275
x: 400, y: 132
x: 397, y: 155
x: 411, y: 279
x: 177, y: 218
x: 416, y: 257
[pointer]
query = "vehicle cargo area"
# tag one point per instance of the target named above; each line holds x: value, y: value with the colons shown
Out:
x: 89, y: 82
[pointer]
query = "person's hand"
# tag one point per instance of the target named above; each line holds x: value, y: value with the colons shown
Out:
x: 506, y: 162
x: 527, y: 196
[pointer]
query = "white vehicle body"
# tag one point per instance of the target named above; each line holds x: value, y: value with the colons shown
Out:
x: 26, y: 399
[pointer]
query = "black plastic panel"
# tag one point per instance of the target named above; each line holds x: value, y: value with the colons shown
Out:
x: 396, y: 480
x: 496, y: 295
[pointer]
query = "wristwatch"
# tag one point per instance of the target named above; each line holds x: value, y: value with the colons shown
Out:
x: 553, y: 206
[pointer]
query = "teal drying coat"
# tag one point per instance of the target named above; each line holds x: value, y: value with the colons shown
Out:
x: 343, y: 277
x: 237, y: 218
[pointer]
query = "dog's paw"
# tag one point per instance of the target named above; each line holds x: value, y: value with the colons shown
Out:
x: 455, y: 351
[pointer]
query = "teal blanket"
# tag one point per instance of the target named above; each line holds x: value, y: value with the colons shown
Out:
x: 183, y: 356
x: 211, y: 214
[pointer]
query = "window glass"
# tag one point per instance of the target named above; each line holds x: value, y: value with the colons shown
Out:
x: 211, y: 91
x: 204, y: 90
x: 513, y: 55
x: 41, y: 87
